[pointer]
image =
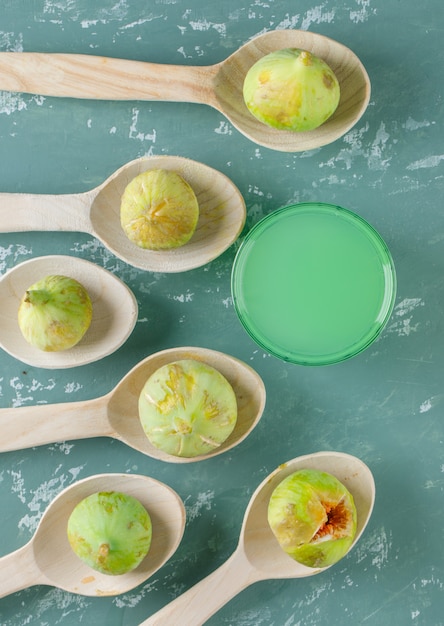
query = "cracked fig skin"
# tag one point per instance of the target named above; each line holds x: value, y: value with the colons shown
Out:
x: 159, y: 210
x: 110, y: 531
x: 313, y: 517
x: 55, y: 313
x: 187, y: 408
x: 291, y: 89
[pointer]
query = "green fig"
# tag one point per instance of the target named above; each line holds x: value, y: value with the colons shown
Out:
x: 291, y: 89
x: 55, y: 313
x: 187, y: 408
x: 110, y: 531
x: 313, y: 517
x: 159, y: 210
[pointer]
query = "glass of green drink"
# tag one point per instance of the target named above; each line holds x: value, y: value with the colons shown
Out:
x: 313, y: 283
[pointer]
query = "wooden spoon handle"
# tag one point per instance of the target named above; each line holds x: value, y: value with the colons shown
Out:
x: 88, y: 76
x: 198, y: 604
x: 29, y: 426
x: 19, y: 571
x: 26, y: 212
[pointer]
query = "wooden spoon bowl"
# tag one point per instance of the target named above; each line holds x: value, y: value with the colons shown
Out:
x: 116, y: 414
x: 352, y: 77
x: 114, y: 311
x: 258, y: 555
x: 47, y: 559
x: 219, y: 86
x: 222, y: 214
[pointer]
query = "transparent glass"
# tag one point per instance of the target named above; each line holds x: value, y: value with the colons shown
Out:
x: 313, y: 283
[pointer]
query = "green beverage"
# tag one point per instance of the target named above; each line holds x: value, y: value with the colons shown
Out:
x: 313, y: 283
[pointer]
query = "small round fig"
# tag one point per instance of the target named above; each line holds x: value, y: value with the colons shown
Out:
x: 159, y: 210
x: 187, y: 408
x: 110, y: 531
x: 291, y: 89
x: 313, y: 517
x: 55, y: 313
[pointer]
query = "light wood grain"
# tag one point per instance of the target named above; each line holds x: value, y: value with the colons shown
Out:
x: 222, y: 214
x: 48, y: 559
x: 114, y: 316
x: 219, y: 86
x: 258, y: 555
x: 116, y: 414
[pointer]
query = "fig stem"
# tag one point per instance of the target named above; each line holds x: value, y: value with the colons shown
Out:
x: 104, y: 549
x: 37, y: 297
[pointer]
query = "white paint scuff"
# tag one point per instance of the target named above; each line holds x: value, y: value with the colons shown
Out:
x: 134, y: 133
x: 73, y: 387
x: 55, y: 10
x: 376, y: 153
x: 431, y: 161
x: 407, y: 306
x: 41, y: 496
x: 10, y: 42
x: 11, y: 102
x: 130, y: 600
x: 404, y: 327
x: 66, y: 603
x: 223, y: 129
x: 426, y: 406
x: 24, y: 392
x: 204, y: 25
x: 316, y: 15
x: 203, y: 501
x: 375, y: 547
x: 362, y: 14
x: 183, y: 297
x: 11, y: 255
x: 412, y: 124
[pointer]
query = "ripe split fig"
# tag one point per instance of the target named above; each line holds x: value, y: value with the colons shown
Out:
x: 187, y: 408
x: 110, y: 531
x: 291, y: 89
x: 313, y: 517
x: 55, y: 313
x: 159, y: 210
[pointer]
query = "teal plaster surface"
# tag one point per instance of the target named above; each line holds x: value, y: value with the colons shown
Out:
x: 385, y: 405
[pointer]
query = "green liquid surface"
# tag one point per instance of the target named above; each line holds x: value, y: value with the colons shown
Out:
x: 313, y: 284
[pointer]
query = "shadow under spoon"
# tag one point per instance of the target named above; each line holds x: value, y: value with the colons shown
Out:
x: 258, y: 555
x: 116, y: 413
x: 222, y: 214
x: 48, y: 559
x: 219, y: 86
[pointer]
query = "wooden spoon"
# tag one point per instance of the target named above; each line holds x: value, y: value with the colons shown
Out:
x: 258, y: 555
x: 114, y: 311
x: 221, y: 205
x: 47, y: 559
x: 220, y: 85
x: 116, y: 414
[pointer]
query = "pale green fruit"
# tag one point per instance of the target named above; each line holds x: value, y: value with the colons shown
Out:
x: 55, y: 313
x: 291, y: 89
x: 159, y: 210
x: 110, y: 531
x: 313, y: 517
x: 187, y: 408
